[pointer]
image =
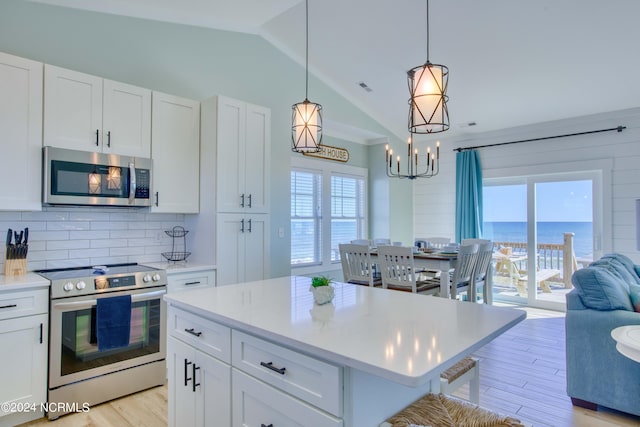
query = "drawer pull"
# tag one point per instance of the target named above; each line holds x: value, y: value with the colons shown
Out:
x: 186, y: 372
x: 9, y: 306
x: 193, y: 332
x: 263, y: 425
x: 273, y: 368
x: 192, y: 283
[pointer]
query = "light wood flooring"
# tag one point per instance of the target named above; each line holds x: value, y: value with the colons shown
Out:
x: 522, y: 373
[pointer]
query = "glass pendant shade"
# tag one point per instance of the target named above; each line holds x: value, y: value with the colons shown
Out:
x: 428, y: 111
x: 306, y: 131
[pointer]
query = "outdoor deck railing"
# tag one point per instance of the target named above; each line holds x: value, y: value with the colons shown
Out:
x: 551, y: 256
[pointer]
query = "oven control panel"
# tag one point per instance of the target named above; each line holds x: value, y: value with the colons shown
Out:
x: 114, y: 282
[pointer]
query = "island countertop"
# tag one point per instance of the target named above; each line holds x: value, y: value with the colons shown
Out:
x: 402, y: 337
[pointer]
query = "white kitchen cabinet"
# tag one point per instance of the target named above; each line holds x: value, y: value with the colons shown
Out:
x: 176, y: 153
x: 243, y: 156
x: 182, y: 281
x: 89, y: 113
x: 242, y: 246
x: 199, y: 387
x: 21, y: 136
x: 23, y: 353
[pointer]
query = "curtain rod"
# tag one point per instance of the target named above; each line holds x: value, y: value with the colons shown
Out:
x: 619, y: 129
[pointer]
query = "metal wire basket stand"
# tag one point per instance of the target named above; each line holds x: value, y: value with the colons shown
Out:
x: 178, y: 244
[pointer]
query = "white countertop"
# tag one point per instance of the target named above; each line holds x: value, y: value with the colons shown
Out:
x: 27, y: 281
x: 172, y: 267
x: 403, y: 337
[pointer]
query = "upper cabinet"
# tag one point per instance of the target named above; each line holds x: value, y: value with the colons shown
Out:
x: 176, y: 154
x: 21, y: 136
x: 85, y: 112
x: 243, y: 156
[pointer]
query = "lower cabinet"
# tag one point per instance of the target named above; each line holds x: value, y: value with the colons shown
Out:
x: 220, y: 376
x: 258, y: 404
x: 199, y: 387
x: 23, y: 355
x: 181, y: 281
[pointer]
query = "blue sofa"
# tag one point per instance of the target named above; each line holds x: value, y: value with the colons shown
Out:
x: 597, y: 374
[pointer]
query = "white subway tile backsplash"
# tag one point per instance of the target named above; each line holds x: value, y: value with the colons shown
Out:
x: 67, y: 244
x: 61, y: 237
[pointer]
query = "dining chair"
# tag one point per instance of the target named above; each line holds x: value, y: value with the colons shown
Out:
x: 482, y: 269
x: 356, y: 265
x: 399, y: 273
x: 464, y: 269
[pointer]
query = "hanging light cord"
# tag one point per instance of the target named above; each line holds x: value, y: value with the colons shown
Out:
x: 427, y: 31
x: 306, y: 63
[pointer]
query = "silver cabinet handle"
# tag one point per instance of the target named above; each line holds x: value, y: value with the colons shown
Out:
x: 249, y: 226
x: 249, y: 200
x: 242, y: 227
x: 242, y: 200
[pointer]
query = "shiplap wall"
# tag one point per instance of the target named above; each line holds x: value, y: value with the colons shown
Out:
x: 434, y: 199
x: 72, y: 237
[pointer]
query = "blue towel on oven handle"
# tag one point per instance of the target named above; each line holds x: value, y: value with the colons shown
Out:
x: 113, y: 322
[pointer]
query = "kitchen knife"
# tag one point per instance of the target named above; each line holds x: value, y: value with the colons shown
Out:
x: 25, y: 246
x: 9, y: 235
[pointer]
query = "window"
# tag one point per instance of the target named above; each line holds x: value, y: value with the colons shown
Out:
x: 321, y: 219
x: 306, y: 216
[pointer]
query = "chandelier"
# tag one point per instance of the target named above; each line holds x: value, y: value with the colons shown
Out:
x: 414, y: 168
x: 306, y: 120
x: 428, y: 84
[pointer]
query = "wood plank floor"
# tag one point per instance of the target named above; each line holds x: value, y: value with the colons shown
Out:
x: 522, y: 373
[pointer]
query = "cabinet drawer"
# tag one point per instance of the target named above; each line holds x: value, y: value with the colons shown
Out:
x: 205, y: 335
x: 23, y: 303
x: 309, y: 379
x: 193, y: 280
x: 256, y: 404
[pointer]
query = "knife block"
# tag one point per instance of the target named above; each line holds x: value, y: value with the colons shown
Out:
x: 15, y: 267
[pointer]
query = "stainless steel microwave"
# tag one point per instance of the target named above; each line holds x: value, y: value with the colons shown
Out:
x: 72, y: 177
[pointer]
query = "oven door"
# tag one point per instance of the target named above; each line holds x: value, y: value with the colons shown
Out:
x: 73, y: 349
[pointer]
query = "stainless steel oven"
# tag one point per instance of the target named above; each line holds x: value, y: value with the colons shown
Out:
x: 83, y: 369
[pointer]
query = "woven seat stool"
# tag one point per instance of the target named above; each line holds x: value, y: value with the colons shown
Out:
x: 446, y: 411
x: 466, y: 370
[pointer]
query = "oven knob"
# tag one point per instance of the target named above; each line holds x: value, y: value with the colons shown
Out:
x: 156, y: 277
x: 68, y: 286
x: 80, y: 285
x: 146, y: 278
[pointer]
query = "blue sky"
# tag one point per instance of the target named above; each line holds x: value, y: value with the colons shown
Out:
x: 566, y: 201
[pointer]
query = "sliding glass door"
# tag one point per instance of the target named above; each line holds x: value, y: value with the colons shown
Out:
x: 544, y: 228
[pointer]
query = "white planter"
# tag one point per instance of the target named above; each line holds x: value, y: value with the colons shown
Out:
x: 322, y: 294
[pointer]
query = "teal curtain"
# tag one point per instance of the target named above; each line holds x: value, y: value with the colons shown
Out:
x: 468, y: 195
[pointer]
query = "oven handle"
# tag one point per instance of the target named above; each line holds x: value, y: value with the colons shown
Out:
x: 132, y: 183
x: 91, y: 302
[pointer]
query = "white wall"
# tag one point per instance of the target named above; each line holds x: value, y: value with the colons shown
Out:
x: 435, y: 199
x: 72, y: 237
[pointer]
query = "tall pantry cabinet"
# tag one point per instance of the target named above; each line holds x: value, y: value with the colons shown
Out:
x: 236, y: 193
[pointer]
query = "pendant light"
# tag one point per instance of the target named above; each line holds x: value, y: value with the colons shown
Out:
x: 428, y: 83
x: 306, y: 120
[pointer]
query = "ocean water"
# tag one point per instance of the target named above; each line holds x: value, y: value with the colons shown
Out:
x: 548, y: 232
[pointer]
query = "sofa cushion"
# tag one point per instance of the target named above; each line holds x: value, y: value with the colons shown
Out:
x: 622, y: 265
x: 601, y: 288
x: 634, y: 293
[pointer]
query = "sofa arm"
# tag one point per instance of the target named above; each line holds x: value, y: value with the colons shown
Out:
x: 596, y: 371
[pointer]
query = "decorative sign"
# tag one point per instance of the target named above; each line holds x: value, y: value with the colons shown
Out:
x: 331, y: 153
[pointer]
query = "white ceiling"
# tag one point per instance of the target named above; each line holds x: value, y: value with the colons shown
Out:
x: 511, y: 62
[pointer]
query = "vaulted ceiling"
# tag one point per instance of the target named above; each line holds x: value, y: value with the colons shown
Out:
x: 511, y: 62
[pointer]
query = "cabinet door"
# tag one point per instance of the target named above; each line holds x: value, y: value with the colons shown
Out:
x: 23, y: 359
x: 182, y: 400
x: 231, y: 120
x: 199, y: 387
x: 257, y: 158
x: 126, y: 119
x: 72, y: 109
x: 175, y: 150
x: 21, y: 136
x: 230, y: 248
x: 256, y: 247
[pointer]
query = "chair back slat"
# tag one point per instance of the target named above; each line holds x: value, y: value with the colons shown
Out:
x: 464, y: 269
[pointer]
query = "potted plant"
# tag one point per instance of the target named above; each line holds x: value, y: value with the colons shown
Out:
x: 322, y: 290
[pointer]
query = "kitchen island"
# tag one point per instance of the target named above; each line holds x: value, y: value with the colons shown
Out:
x: 283, y: 359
